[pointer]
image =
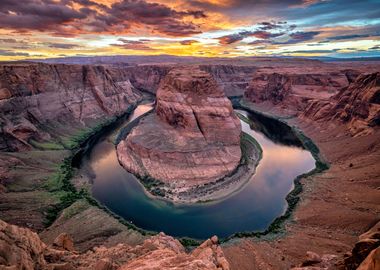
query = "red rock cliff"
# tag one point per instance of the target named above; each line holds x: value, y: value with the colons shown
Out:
x: 34, y: 97
x: 358, y: 105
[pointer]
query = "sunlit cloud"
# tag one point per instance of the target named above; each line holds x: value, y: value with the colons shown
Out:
x: 223, y: 28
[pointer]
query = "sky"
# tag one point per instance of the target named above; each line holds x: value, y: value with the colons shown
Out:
x: 31, y: 29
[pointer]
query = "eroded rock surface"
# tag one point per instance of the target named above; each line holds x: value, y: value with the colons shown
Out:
x: 22, y: 249
x: 290, y: 88
x: 192, y: 138
x: 358, y: 105
x: 37, y: 99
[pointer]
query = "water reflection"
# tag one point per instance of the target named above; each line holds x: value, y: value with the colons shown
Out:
x: 251, y: 209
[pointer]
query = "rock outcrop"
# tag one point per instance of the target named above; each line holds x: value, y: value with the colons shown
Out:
x: 22, y: 249
x: 358, y: 105
x: 293, y: 88
x: 233, y: 79
x: 366, y: 251
x: 192, y: 138
x: 37, y: 99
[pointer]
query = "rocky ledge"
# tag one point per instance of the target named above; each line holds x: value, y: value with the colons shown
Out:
x: 192, y: 139
x: 20, y: 248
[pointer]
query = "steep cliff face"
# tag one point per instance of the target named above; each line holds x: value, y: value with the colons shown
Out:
x: 147, y: 77
x: 294, y: 89
x: 233, y: 79
x: 21, y: 248
x: 358, y: 105
x: 36, y: 97
x: 193, y: 137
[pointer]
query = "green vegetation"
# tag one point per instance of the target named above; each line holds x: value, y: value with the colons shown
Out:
x: 246, y: 147
x: 153, y: 186
x: 46, y: 145
x: 82, y: 136
x: 60, y: 184
x: 244, y: 118
x: 189, y: 242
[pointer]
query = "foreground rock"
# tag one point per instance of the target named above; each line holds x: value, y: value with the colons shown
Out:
x: 365, y: 253
x: 22, y: 249
x: 193, y: 138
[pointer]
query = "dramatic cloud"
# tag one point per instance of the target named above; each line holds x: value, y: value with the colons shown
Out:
x: 62, y: 45
x: 11, y: 53
x: 37, y: 14
x: 314, y: 51
x: 298, y: 37
x: 188, y: 42
x: 229, y: 39
x: 138, y: 45
x: 354, y: 36
x: 48, y: 27
x: 60, y: 17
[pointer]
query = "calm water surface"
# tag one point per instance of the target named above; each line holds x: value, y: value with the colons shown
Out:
x: 251, y: 209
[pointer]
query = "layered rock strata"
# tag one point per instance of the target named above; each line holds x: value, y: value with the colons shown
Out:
x: 192, y: 138
x: 358, y: 105
x: 37, y: 99
x: 293, y: 89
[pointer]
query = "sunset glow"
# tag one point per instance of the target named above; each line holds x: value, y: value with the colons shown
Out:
x: 33, y: 29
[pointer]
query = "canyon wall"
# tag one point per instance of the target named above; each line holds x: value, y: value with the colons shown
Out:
x: 38, y: 101
x: 357, y: 105
x: 233, y: 79
x: 294, y: 88
x: 192, y: 138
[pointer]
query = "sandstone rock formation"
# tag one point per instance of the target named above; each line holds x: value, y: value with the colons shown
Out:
x: 290, y: 88
x: 192, y: 138
x: 358, y: 105
x: 22, y: 249
x: 367, y: 247
x: 36, y: 99
x: 233, y: 79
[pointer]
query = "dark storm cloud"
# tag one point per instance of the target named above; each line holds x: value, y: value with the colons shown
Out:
x: 12, y: 53
x: 133, y: 45
x: 272, y: 25
x: 162, y: 18
x: 188, y: 42
x: 8, y: 40
x: 294, y: 38
x: 62, y: 45
x: 36, y: 14
x: 229, y: 39
x: 315, y: 51
x: 61, y: 17
x: 354, y: 36
x: 375, y: 48
x: 301, y: 36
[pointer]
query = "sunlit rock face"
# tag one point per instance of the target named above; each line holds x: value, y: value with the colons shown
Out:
x: 192, y: 138
x: 293, y: 87
x: 358, y: 105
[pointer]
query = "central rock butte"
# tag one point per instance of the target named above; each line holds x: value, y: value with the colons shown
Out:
x: 193, y: 138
